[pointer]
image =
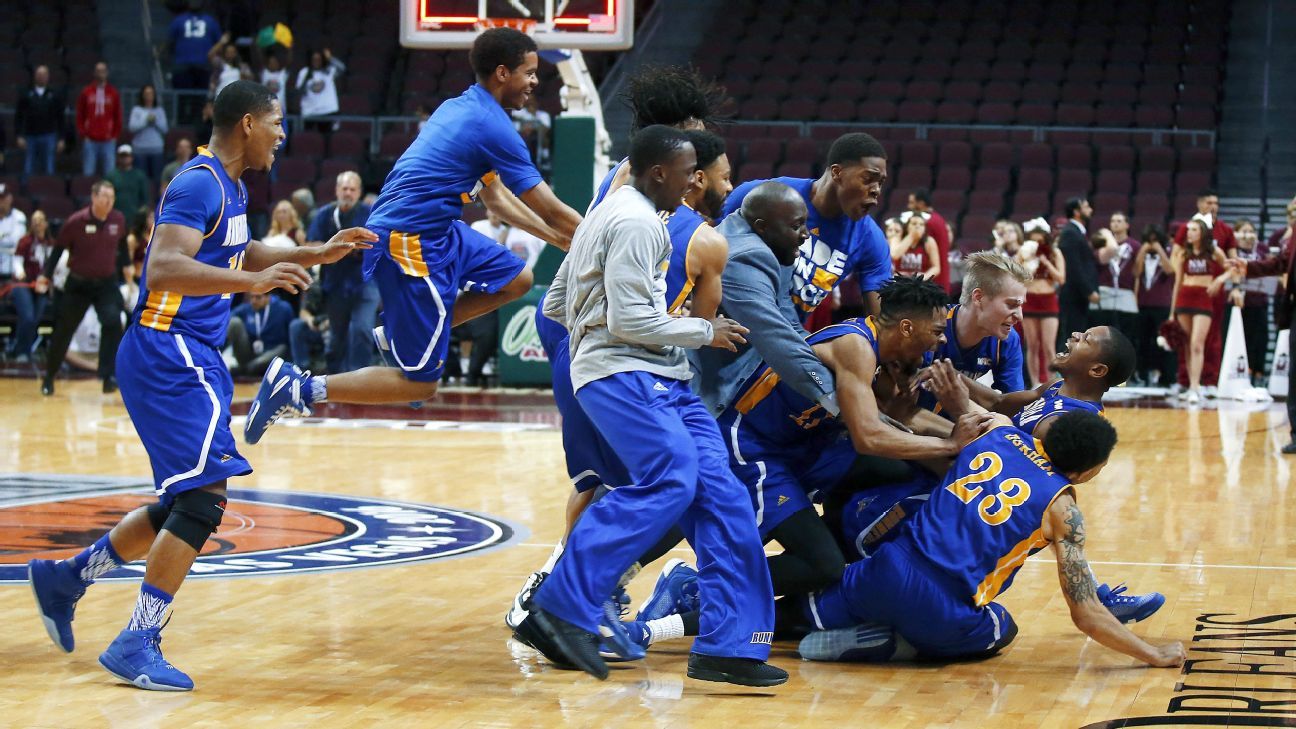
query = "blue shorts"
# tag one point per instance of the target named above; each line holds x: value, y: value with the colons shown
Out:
x: 419, y: 281
x: 781, y: 481
x: 873, y: 516
x: 177, y: 391
x: 898, y: 588
x: 590, y: 460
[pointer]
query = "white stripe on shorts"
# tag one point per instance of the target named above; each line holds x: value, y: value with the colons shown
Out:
x: 211, y: 427
x: 760, y: 466
x: 441, y: 318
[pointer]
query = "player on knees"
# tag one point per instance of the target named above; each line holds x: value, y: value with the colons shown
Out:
x: 930, y: 592
x: 175, y: 385
x: 426, y: 255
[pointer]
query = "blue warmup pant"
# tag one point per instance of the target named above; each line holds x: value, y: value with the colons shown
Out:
x: 679, y: 472
x: 590, y: 460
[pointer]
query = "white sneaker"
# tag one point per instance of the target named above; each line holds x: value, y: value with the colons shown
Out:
x: 1194, y: 397
x: 1210, y: 391
x: 1181, y: 394
x: 1176, y: 390
x: 522, y: 601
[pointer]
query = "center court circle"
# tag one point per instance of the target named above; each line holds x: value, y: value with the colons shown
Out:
x: 263, y: 533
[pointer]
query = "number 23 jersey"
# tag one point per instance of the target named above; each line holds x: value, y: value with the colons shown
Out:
x: 987, y: 516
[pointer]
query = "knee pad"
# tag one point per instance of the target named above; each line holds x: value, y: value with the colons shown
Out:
x: 195, y: 516
x: 157, y: 515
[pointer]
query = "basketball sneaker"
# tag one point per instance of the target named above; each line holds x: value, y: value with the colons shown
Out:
x: 616, y: 643
x: 1129, y: 608
x: 281, y: 393
x: 522, y: 601
x: 136, y: 658
x: 57, y: 590
x: 741, y: 671
x: 866, y: 643
x: 676, y: 592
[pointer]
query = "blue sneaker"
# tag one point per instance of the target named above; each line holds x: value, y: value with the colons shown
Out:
x: 675, y: 592
x: 281, y: 394
x: 57, y: 590
x: 866, y: 643
x: 1129, y: 608
x: 136, y: 658
x: 616, y: 643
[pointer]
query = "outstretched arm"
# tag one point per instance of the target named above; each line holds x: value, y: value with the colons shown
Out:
x: 501, y: 201
x: 1064, y: 526
x: 554, y: 212
x: 260, y: 256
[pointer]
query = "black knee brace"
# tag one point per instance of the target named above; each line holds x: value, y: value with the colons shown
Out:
x: 157, y: 515
x: 195, y: 516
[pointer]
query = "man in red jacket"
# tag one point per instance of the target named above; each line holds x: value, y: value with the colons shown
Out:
x: 920, y: 202
x: 99, y: 121
x: 1279, y: 263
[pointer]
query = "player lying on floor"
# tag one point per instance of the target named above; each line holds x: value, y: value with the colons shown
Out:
x: 929, y: 593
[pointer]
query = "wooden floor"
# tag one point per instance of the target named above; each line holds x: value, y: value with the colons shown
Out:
x: 1194, y: 504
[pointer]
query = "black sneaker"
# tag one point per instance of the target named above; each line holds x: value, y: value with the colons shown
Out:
x: 527, y: 634
x: 1290, y: 448
x: 569, y: 644
x: 741, y: 671
x: 109, y: 385
x: 47, y: 387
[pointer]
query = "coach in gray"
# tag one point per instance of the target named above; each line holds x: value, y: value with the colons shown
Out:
x: 764, y: 235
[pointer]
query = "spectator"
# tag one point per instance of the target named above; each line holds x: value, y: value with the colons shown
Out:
x: 352, y: 302
x: 136, y: 247
x: 33, y: 250
x: 258, y: 332
x: 183, y: 153
x: 1208, y: 210
x: 893, y: 230
x: 1117, y: 304
x: 38, y: 124
x: 306, y: 332
x: 534, y: 124
x: 285, y: 227
x: 275, y: 77
x: 227, y: 66
x: 1200, y: 271
x: 94, y: 236
x: 1281, y: 239
x: 937, y: 228
x: 524, y: 245
x: 916, y: 252
x: 1081, y: 286
x: 1253, y: 297
x: 1008, y: 237
x: 303, y: 201
x: 203, y: 131
x: 191, y: 35
x: 99, y: 122
x: 148, y: 123
x: 1154, y: 277
x: 1281, y: 263
x: 317, y: 84
x: 1048, y: 269
x: 131, y: 184
x: 13, y: 226
x: 421, y: 111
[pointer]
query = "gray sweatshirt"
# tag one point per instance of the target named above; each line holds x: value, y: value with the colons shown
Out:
x: 610, y: 293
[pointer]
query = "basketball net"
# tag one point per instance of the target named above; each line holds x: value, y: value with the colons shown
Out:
x: 525, y: 25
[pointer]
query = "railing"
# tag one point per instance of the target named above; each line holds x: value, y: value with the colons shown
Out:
x: 1038, y: 133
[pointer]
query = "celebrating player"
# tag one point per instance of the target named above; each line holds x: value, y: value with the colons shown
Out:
x: 175, y: 385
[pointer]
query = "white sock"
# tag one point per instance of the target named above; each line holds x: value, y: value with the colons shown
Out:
x: 667, y: 628
x: 553, y: 558
x: 318, y: 389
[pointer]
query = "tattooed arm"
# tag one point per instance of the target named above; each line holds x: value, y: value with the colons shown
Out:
x: 1064, y: 527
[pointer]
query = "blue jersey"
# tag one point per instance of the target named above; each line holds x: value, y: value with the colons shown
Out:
x: 605, y: 186
x: 682, y: 226
x: 466, y: 144
x: 987, y: 516
x: 780, y: 416
x: 203, y: 197
x: 1053, y: 402
x: 837, y: 247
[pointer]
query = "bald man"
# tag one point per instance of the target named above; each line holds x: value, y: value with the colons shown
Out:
x: 764, y: 236
x: 352, y: 303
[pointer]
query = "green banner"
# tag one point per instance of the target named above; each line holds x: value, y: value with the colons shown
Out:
x: 522, y: 361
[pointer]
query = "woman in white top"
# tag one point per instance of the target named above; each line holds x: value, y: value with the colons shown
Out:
x: 149, y: 124
x: 317, y: 84
x: 227, y: 65
x: 275, y: 77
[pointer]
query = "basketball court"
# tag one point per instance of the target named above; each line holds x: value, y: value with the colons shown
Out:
x: 363, y: 577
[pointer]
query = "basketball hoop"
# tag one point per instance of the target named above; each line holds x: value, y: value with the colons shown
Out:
x: 525, y: 25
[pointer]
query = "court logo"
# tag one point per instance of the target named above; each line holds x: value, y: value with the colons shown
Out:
x: 263, y: 532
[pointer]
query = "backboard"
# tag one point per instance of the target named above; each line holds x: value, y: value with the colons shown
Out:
x: 595, y: 25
